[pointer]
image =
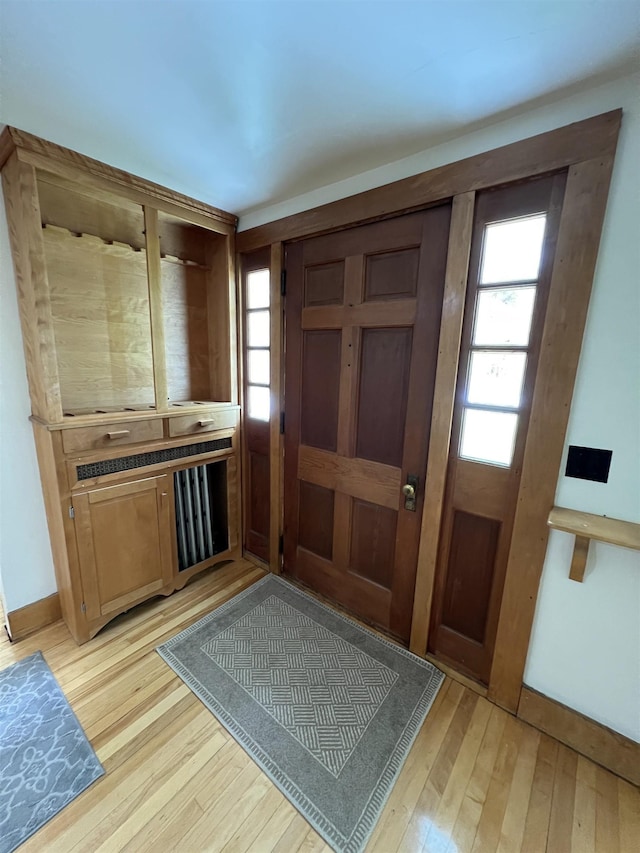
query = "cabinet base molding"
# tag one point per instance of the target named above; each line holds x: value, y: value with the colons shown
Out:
x: 20, y: 623
x: 611, y: 750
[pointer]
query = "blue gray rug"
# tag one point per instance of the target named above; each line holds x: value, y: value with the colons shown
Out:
x: 45, y: 757
x: 326, y: 708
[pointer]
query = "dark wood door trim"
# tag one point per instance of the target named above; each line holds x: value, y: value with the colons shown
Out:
x: 276, y: 439
x: 588, y: 147
x: 455, y: 289
x: 538, y: 155
x: 571, y: 280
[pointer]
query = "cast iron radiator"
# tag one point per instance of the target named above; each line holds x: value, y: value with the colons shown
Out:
x: 201, y: 512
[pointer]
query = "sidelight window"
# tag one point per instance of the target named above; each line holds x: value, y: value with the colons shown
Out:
x: 503, y: 312
x: 258, y: 345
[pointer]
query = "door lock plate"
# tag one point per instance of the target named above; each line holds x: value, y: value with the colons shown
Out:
x: 409, y: 490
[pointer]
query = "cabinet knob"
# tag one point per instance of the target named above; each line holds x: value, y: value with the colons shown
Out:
x: 207, y: 422
x: 119, y: 433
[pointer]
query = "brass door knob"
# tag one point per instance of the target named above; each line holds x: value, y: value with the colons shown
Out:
x: 408, y: 491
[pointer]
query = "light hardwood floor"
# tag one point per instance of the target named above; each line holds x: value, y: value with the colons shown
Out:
x: 475, y: 780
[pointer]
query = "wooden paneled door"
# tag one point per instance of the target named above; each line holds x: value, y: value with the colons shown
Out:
x: 362, y: 323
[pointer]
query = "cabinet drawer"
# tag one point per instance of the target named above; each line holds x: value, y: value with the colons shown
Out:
x: 110, y: 435
x: 202, y: 422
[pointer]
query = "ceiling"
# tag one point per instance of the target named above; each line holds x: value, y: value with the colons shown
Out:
x: 243, y: 104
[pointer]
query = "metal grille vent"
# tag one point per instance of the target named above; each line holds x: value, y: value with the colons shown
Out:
x: 127, y: 463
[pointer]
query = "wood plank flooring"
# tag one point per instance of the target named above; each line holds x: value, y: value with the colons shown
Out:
x: 476, y: 779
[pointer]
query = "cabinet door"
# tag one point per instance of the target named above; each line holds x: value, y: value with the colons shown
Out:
x: 124, y: 543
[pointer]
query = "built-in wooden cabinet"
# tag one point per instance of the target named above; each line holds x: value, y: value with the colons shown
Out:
x: 128, y: 312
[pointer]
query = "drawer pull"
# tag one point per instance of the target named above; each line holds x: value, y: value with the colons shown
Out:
x: 120, y: 433
x: 206, y: 422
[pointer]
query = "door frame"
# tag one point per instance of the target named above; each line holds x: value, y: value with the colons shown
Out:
x: 586, y: 149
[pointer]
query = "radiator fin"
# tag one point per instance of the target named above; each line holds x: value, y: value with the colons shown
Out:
x: 201, y: 519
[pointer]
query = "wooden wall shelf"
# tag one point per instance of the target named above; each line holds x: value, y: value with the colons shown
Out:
x: 586, y: 526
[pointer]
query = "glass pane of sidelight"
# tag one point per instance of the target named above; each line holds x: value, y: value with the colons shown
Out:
x: 258, y: 289
x: 258, y: 366
x: 512, y: 250
x: 488, y: 436
x: 495, y: 378
x: 258, y: 329
x: 259, y: 402
x: 503, y: 317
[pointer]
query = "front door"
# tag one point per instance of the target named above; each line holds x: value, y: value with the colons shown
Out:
x: 362, y: 322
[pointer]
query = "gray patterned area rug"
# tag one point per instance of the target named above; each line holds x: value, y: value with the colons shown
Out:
x: 326, y: 708
x: 45, y: 757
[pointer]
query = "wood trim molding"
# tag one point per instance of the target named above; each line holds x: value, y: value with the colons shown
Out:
x: 571, y: 280
x: 276, y: 444
x: 610, y: 749
x: 453, y: 303
x: 25, y: 237
x: 587, y: 148
x: 55, y: 485
x: 38, y: 151
x: 20, y: 623
x: 154, y: 278
x: 547, y: 152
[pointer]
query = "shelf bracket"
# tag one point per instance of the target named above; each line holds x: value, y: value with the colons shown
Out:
x: 579, y: 559
x: 586, y: 526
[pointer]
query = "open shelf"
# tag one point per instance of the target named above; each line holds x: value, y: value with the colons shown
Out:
x: 194, y: 299
x: 586, y: 526
x: 137, y: 304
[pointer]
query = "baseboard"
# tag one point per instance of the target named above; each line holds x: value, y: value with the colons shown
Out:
x: 602, y: 745
x: 257, y: 561
x: 456, y: 675
x: 20, y: 623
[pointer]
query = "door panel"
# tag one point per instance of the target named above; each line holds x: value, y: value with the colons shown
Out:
x: 315, y: 519
x: 324, y: 285
x: 320, y: 369
x: 474, y: 542
x: 362, y: 324
x: 259, y: 497
x: 385, y: 362
x: 373, y: 540
x: 392, y: 275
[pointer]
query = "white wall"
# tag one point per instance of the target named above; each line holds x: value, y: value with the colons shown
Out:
x: 26, y: 564
x: 585, y: 646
